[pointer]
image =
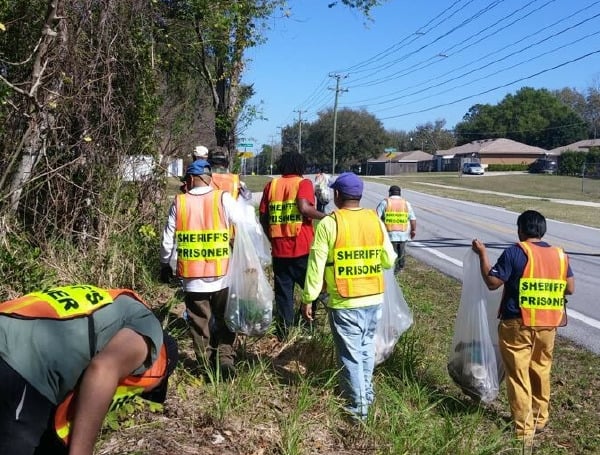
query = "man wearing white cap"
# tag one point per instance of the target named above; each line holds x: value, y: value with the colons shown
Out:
x: 200, y: 153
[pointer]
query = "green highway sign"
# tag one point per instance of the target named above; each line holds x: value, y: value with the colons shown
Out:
x: 390, y: 149
x: 246, y: 145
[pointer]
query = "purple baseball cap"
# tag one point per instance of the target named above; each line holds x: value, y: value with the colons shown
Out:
x: 349, y: 184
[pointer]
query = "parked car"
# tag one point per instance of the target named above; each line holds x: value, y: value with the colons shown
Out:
x: 473, y: 168
x: 544, y: 166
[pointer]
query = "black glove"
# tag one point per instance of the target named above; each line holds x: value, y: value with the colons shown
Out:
x: 165, y: 273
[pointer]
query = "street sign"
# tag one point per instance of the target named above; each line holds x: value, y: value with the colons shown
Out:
x: 245, y: 154
x: 246, y: 144
x: 390, y: 149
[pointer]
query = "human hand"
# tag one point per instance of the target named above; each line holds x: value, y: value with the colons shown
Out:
x: 413, y: 234
x: 478, y: 246
x: 165, y: 273
x: 307, y: 312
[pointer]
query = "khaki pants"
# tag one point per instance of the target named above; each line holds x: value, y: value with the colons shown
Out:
x: 527, y: 356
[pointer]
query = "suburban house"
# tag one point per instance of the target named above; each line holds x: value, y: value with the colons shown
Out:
x: 487, y: 151
x: 579, y: 146
x: 397, y: 163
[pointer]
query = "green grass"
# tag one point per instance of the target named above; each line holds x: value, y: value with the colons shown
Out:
x: 284, y: 399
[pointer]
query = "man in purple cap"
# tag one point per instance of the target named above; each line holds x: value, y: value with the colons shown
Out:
x: 197, y: 231
x: 350, y: 250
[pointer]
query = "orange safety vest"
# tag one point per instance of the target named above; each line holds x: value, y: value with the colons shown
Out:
x: 70, y: 302
x: 202, y: 235
x: 285, y: 220
x: 226, y: 182
x: 357, y: 253
x: 395, y: 215
x: 542, y: 286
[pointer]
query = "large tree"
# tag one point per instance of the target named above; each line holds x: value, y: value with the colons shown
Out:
x: 532, y: 116
x: 359, y: 136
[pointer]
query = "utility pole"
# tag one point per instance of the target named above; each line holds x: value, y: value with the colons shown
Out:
x: 299, y: 130
x: 272, y: 136
x: 335, y: 105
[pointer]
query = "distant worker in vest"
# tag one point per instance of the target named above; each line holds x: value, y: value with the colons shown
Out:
x: 350, y: 251
x: 224, y: 180
x: 536, y: 278
x: 67, y: 356
x: 322, y: 190
x: 400, y: 222
x: 200, y: 153
x: 198, y: 229
x: 286, y: 213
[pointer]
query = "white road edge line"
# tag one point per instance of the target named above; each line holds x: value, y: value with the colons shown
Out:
x: 570, y: 312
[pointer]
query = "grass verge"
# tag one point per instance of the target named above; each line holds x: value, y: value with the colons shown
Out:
x: 284, y: 400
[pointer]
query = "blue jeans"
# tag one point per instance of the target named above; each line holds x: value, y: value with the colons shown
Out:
x: 353, y: 335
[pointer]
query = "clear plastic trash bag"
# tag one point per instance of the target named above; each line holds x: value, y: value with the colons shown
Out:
x: 249, y: 309
x: 474, y: 361
x: 255, y: 232
x: 396, y: 318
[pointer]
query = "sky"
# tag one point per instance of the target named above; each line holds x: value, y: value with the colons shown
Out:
x: 417, y: 61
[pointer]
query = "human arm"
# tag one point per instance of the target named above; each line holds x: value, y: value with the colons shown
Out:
x: 388, y: 253
x: 491, y: 282
x: 317, y: 261
x: 412, y: 220
x: 167, y: 246
x: 305, y: 201
x: 124, y: 353
x: 263, y: 210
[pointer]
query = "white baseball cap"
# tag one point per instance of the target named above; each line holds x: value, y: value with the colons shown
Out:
x: 200, y: 152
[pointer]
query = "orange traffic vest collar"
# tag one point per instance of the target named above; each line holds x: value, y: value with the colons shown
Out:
x: 202, y: 235
x: 542, y: 286
x: 395, y: 215
x: 357, y: 264
x: 285, y: 220
x: 226, y: 182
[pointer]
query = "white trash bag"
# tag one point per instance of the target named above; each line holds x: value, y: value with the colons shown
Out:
x: 396, y: 318
x: 255, y: 232
x: 474, y: 362
x: 249, y: 309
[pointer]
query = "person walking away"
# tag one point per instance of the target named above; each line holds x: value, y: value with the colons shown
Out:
x: 351, y: 249
x: 200, y: 153
x: 224, y: 180
x: 286, y: 211
x: 69, y: 354
x: 400, y: 222
x: 536, y: 278
x: 199, y: 227
x: 322, y: 181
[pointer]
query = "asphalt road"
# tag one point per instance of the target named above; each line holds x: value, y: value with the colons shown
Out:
x: 445, y: 228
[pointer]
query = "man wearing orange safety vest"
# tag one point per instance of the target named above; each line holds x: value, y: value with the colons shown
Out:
x: 198, y: 231
x: 350, y: 250
x: 287, y: 209
x: 400, y: 222
x: 66, y: 353
x: 536, y: 278
x: 224, y: 180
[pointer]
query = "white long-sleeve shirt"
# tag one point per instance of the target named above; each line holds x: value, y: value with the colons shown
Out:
x: 168, y: 248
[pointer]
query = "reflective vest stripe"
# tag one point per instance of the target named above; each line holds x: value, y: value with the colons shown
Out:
x: 202, y: 235
x: 396, y: 215
x: 357, y: 253
x: 542, y: 286
x: 285, y: 220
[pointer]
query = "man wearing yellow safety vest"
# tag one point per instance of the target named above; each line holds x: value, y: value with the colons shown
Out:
x: 198, y: 230
x: 224, y: 180
x: 400, y: 222
x: 536, y: 278
x: 66, y: 353
x: 350, y: 250
x: 287, y: 209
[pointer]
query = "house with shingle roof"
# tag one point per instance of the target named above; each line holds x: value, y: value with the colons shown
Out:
x: 579, y: 146
x: 397, y: 163
x: 487, y: 151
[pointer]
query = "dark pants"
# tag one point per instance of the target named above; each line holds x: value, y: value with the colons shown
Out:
x: 206, y: 312
x: 321, y: 206
x: 400, y: 248
x: 24, y: 416
x: 287, y: 272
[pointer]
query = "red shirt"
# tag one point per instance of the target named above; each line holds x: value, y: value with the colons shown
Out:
x: 292, y: 247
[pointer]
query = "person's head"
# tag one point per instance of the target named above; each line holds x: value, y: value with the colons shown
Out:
x: 198, y: 174
x: 218, y: 158
x: 531, y: 225
x: 291, y: 163
x: 395, y: 190
x: 200, y: 153
x: 348, y: 188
